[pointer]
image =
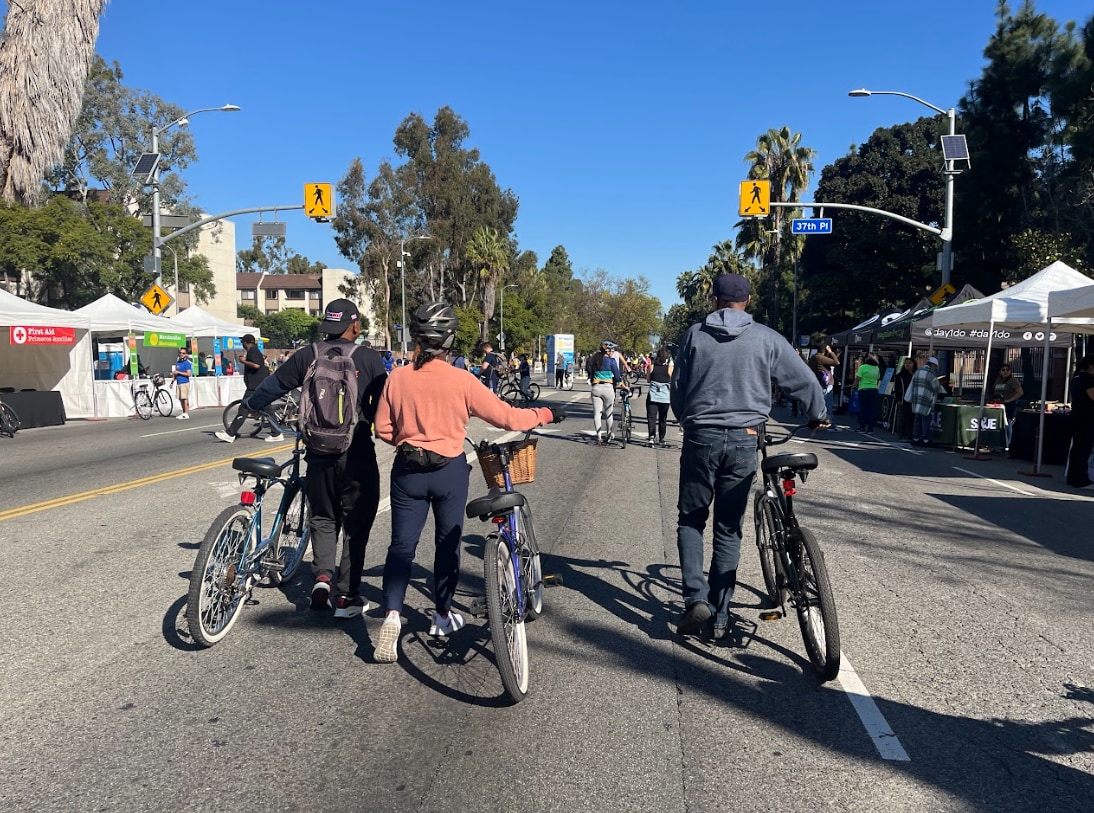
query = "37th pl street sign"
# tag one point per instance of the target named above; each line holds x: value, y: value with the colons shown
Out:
x: 811, y: 225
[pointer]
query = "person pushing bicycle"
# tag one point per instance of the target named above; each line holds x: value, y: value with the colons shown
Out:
x: 720, y: 392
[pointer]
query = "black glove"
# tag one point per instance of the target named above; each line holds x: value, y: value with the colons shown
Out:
x: 558, y: 414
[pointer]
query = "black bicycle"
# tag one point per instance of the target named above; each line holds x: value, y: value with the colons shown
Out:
x: 626, y: 418
x: 9, y: 420
x: 285, y: 412
x: 790, y: 557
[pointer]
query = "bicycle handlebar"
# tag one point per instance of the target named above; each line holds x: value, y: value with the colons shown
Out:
x: 784, y: 434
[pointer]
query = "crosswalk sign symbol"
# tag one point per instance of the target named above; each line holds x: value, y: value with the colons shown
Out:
x: 318, y: 202
x: 156, y: 299
x: 755, y: 200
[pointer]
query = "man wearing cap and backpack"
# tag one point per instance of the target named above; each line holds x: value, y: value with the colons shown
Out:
x: 340, y: 386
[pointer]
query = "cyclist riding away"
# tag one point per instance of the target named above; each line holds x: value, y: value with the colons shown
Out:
x: 721, y: 393
x: 423, y: 412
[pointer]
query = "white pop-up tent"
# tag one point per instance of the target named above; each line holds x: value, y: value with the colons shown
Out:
x: 203, y: 325
x: 64, y: 368
x: 109, y: 314
x: 1024, y: 306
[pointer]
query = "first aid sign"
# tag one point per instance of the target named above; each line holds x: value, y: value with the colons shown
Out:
x: 37, y: 334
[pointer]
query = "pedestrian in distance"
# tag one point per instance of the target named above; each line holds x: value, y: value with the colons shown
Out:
x: 659, y: 378
x: 1008, y: 391
x: 423, y: 412
x: 721, y: 394
x: 867, y: 380
x: 255, y: 372
x: 492, y: 363
x: 343, y: 481
x: 922, y: 395
x: 1082, y: 424
x: 183, y: 371
x: 560, y: 369
x: 605, y: 374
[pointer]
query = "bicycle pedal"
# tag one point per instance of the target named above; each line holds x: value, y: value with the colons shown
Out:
x: 552, y: 580
x: 771, y: 615
x: 478, y: 607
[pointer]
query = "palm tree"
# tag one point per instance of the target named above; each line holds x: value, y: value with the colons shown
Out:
x: 780, y: 159
x: 489, y: 252
x: 45, y: 55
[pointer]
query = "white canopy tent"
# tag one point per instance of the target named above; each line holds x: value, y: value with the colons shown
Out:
x: 203, y: 325
x: 61, y: 368
x: 1024, y: 306
x: 1074, y: 303
x: 109, y: 314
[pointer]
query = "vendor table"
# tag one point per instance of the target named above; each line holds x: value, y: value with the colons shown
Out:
x: 1023, y: 440
x: 958, y: 427
x: 36, y: 408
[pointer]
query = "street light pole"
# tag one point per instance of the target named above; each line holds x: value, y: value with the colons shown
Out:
x: 176, y: 259
x: 947, y: 225
x: 402, y: 281
x: 157, y: 241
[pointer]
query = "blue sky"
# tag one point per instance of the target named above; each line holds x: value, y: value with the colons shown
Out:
x: 622, y: 127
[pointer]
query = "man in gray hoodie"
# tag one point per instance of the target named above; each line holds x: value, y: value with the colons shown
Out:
x: 721, y: 394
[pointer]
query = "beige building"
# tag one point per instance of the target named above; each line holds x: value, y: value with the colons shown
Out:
x: 270, y: 293
x: 218, y: 246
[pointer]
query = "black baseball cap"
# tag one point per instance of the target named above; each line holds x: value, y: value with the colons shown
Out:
x: 339, y: 315
x: 730, y: 288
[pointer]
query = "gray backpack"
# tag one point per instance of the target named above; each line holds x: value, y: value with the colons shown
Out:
x: 328, y: 399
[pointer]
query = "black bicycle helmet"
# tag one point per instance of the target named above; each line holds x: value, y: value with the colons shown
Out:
x: 434, y: 326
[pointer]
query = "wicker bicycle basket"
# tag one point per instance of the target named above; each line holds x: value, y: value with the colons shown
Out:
x: 522, y: 465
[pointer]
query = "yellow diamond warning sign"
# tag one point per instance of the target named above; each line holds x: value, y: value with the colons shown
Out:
x: 156, y: 299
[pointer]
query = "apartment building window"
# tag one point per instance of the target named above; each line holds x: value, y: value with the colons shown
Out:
x: 247, y: 295
x: 297, y: 294
x: 315, y: 294
x: 271, y: 293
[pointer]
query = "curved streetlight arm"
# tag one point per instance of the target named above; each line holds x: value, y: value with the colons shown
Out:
x: 865, y: 92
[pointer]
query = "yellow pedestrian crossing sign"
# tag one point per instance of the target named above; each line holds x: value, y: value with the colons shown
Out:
x: 318, y: 202
x: 755, y: 200
x: 156, y: 299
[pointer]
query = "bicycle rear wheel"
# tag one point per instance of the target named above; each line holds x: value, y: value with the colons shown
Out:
x: 143, y: 402
x: 769, y: 528
x: 506, y: 621
x: 291, y: 542
x: 531, y: 567
x: 251, y: 425
x: 9, y: 421
x: 216, y: 594
x: 533, y: 392
x: 817, y: 608
x: 164, y: 403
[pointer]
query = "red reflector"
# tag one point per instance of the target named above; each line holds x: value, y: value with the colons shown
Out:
x: 498, y: 520
x: 788, y: 488
x: 247, y: 498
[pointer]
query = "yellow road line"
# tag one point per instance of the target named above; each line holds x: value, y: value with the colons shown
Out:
x: 72, y: 499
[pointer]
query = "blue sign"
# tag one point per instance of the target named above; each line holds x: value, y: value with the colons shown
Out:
x: 811, y: 225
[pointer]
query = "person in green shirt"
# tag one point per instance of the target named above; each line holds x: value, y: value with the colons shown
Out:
x: 866, y: 382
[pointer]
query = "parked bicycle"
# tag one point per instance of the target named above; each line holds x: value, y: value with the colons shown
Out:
x: 285, y: 412
x: 790, y: 557
x: 234, y: 556
x: 512, y: 568
x: 568, y: 378
x: 149, y: 394
x: 513, y: 395
x: 9, y: 420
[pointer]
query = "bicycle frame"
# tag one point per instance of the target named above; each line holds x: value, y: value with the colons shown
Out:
x: 507, y: 527
x: 257, y: 545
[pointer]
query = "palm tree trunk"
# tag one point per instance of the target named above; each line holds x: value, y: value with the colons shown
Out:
x: 45, y: 55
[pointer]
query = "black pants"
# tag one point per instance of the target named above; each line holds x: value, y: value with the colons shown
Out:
x: 242, y: 415
x: 1082, y: 442
x: 657, y: 414
x: 560, y: 373
x: 344, y: 493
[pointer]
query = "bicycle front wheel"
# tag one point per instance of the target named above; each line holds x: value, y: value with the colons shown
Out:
x: 251, y: 425
x: 568, y: 383
x: 533, y: 392
x: 506, y: 618
x: 9, y: 421
x: 510, y: 394
x: 625, y: 428
x: 817, y: 609
x: 216, y: 592
x: 164, y: 403
x: 531, y: 567
x: 291, y: 542
x: 769, y: 528
x: 143, y: 402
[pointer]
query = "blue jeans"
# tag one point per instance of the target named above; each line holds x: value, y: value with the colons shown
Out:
x: 412, y: 494
x: 716, y: 466
x: 921, y: 427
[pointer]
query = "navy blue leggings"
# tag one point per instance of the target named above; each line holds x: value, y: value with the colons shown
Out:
x: 412, y: 494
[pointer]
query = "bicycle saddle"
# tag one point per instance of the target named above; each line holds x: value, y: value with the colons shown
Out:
x: 798, y: 461
x: 494, y: 504
x: 260, y: 466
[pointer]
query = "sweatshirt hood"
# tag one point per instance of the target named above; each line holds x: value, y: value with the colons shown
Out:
x: 727, y: 323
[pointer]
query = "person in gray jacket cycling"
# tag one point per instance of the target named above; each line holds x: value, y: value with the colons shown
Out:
x: 721, y: 394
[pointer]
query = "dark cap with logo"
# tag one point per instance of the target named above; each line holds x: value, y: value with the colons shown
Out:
x: 730, y: 288
x: 338, y: 316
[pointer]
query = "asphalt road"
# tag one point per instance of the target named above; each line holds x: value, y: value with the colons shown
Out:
x: 964, y: 602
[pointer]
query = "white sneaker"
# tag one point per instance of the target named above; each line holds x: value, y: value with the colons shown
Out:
x: 274, y: 438
x: 185, y: 416
x: 443, y: 627
x: 225, y: 437
x: 387, y: 645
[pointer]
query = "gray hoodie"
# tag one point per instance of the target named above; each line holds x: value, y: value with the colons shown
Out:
x: 724, y: 372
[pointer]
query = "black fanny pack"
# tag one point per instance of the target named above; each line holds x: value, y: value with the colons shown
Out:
x: 417, y: 459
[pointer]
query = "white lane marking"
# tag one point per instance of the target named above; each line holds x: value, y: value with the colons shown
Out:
x: 187, y: 429
x: 992, y: 480
x: 886, y: 742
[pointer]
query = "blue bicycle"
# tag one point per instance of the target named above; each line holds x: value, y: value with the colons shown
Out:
x: 511, y: 560
x: 234, y: 557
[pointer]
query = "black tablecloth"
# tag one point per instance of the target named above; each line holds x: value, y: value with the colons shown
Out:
x: 1023, y: 441
x: 39, y: 408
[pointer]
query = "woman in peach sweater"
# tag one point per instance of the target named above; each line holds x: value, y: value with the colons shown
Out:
x: 423, y: 411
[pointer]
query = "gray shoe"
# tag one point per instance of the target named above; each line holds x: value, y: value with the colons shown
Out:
x: 693, y: 619
x: 387, y: 645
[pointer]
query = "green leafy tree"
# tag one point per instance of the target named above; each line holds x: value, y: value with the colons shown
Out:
x: 489, y: 253
x: 290, y: 327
